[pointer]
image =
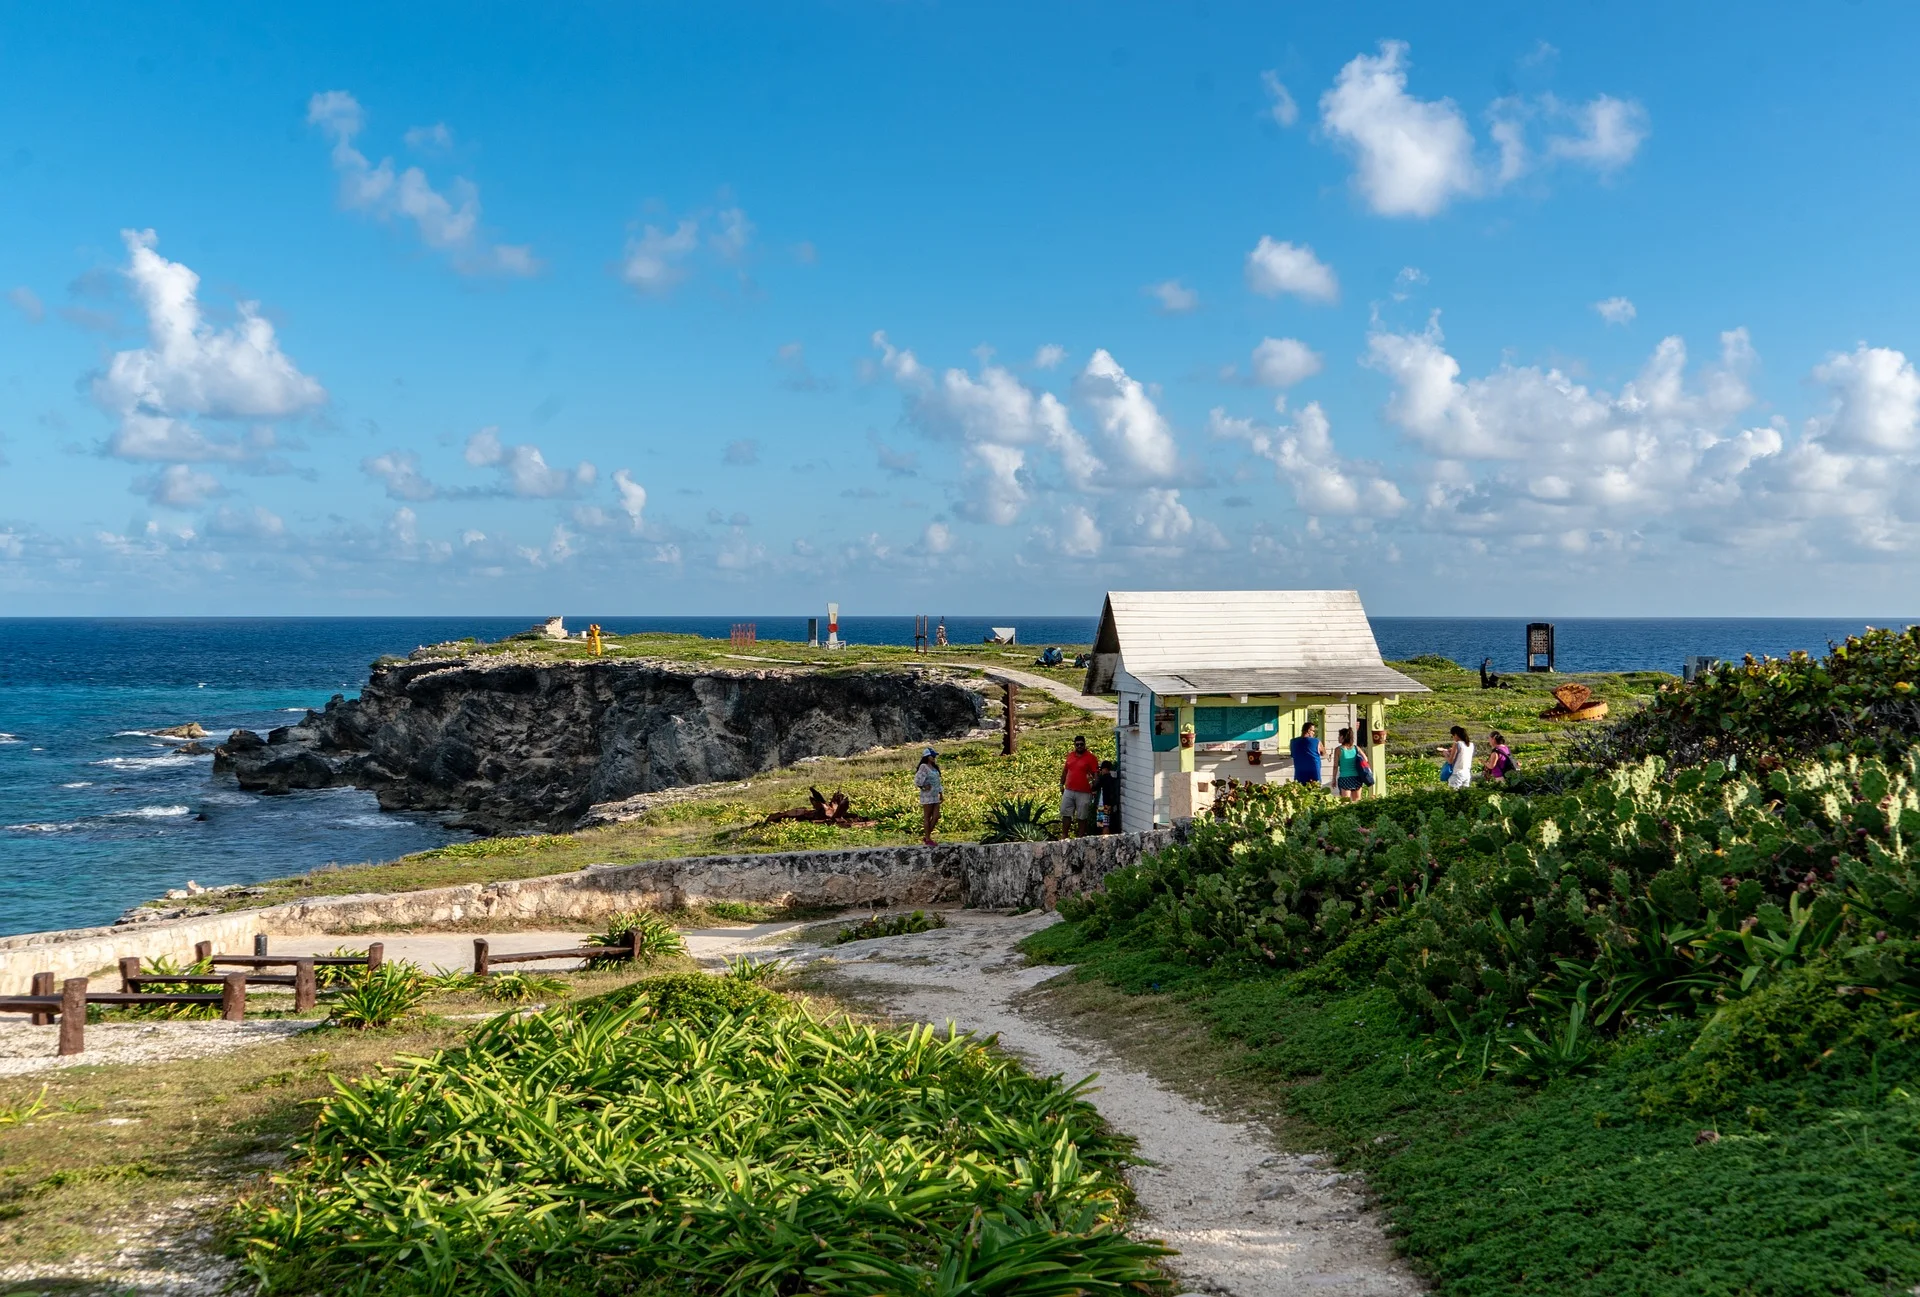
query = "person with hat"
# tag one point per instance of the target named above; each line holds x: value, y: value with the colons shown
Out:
x: 926, y: 777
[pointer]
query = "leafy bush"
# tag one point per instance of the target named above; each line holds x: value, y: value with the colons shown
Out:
x: 658, y: 938
x: 891, y: 925
x: 162, y: 966
x: 695, y: 997
x: 523, y: 988
x: 1020, y: 819
x: 606, y: 1150
x: 378, y: 997
x: 735, y: 911
x: 758, y: 971
x: 1862, y: 694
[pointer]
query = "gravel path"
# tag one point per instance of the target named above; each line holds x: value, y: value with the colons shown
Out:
x: 1249, y: 1219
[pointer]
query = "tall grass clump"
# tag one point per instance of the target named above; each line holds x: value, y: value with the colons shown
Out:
x: 378, y: 997
x: 613, y: 1149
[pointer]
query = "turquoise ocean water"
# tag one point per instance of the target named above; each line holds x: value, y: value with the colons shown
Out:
x: 96, y: 815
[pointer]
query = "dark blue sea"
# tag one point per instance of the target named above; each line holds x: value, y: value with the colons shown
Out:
x: 96, y: 815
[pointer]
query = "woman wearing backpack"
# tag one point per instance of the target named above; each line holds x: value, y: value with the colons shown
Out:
x: 1500, y: 762
x: 1352, y: 773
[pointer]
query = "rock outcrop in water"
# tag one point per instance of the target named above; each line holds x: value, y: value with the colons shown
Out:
x: 502, y: 744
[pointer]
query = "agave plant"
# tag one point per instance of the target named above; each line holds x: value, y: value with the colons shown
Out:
x: 379, y: 997
x: 1020, y: 819
x: 758, y: 971
x: 651, y: 937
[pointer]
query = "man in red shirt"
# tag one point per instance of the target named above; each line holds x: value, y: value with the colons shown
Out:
x: 1076, y: 788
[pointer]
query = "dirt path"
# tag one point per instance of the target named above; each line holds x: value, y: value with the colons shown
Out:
x: 1066, y: 693
x: 1249, y: 1220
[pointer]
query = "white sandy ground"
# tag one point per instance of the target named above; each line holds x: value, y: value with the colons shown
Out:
x: 1249, y: 1219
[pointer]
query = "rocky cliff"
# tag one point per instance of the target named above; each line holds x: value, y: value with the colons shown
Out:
x: 506, y: 744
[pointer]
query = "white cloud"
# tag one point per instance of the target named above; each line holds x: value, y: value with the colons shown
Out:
x: 524, y: 471
x: 1077, y: 535
x: 1607, y: 132
x: 633, y: 497
x: 178, y: 487
x: 656, y: 259
x: 937, y: 539
x: 1876, y: 401
x: 1616, y: 310
x: 1137, y: 434
x: 1049, y: 356
x: 1274, y: 268
x: 1175, y: 297
x: 255, y: 524
x: 427, y: 139
x: 446, y: 222
x: 399, y: 472
x: 1282, y: 362
x: 1281, y: 108
x: 734, y: 234
x: 27, y: 302
x: 1409, y: 278
x: 1412, y: 156
x: 192, y: 369
x: 1324, y: 482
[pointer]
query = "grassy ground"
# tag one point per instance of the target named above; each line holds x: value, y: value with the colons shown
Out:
x: 163, y: 1148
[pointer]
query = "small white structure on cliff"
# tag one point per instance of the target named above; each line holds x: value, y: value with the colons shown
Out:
x: 1215, y: 684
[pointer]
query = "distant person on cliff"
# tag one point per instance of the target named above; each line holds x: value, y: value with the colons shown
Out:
x: 1306, y: 756
x: 1106, y: 788
x: 1076, y: 788
x: 926, y: 777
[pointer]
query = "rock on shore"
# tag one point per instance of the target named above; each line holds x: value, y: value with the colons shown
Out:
x: 503, y: 744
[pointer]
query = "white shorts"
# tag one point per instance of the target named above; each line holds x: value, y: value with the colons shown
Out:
x: 1075, y: 806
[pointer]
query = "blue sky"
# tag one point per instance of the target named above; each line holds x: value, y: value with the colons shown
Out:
x: 956, y: 308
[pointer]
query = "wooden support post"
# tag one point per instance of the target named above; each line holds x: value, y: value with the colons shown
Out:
x: 376, y: 955
x: 260, y: 944
x: 306, y: 989
x: 202, y: 950
x: 633, y: 945
x: 233, y: 997
x: 42, y: 985
x: 73, y: 1016
x: 479, y: 956
x: 1011, y: 740
x: 129, y: 969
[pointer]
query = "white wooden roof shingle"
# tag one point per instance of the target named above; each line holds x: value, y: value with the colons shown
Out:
x: 1242, y: 641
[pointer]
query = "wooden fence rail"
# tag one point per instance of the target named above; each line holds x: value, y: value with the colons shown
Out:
x: 71, y: 1004
x: 484, y: 958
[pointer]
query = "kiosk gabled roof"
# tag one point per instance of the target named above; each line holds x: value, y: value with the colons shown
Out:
x: 1241, y: 642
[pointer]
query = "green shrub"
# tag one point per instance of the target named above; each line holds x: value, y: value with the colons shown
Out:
x: 611, y: 1151
x: 378, y: 997
x: 523, y: 988
x: 758, y: 971
x: 891, y: 925
x: 658, y: 938
x: 695, y: 997
x: 1020, y: 819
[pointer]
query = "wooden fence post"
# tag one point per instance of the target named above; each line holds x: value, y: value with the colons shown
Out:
x: 633, y: 945
x: 233, y: 997
x: 202, y: 950
x: 73, y: 1016
x: 129, y: 969
x: 479, y: 956
x: 42, y: 985
x: 260, y: 944
x: 306, y: 990
x: 376, y: 955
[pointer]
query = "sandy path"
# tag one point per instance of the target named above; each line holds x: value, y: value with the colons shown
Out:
x: 1249, y: 1219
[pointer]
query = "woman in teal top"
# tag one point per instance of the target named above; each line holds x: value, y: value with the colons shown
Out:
x: 1350, y: 767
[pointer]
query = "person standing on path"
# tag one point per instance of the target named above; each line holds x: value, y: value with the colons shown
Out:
x: 1107, y: 790
x: 926, y: 777
x: 1076, y: 788
x: 1352, y: 774
x: 1306, y: 756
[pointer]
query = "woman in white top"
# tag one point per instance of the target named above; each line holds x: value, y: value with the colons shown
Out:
x: 926, y: 777
x: 1460, y: 757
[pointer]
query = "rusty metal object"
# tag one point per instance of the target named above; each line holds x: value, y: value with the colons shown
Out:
x: 1574, y: 702
x: 836, y: 810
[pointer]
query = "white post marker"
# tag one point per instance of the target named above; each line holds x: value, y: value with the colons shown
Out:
x: 833, y: 626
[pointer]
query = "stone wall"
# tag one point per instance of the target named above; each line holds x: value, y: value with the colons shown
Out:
x: 999, y: 876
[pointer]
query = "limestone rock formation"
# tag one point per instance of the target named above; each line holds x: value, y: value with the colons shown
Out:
x: 503, y: 744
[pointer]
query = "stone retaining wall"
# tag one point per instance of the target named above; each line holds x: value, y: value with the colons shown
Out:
x: 999, y: 876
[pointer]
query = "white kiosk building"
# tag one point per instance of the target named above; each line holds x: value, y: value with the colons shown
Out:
x: 1214, y: 685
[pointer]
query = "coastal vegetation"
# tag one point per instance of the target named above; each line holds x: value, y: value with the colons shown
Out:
x: 1649, y: 1025
x: 702, y: 1137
